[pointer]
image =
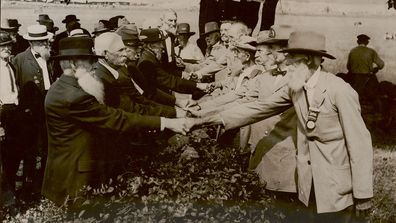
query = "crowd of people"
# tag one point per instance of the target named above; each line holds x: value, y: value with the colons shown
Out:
x: 74, y: 104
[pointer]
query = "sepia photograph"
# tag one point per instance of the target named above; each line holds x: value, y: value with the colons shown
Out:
x: 257, y: 111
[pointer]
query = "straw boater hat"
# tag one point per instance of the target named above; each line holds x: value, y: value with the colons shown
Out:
x: 10, y: 25
x: 307, y: 42
x: 76, y: 47
x: 211, y: 27
x: 151, y: 35
x: 37, y: 32
x: 5, y: 38
x: 129, y: 34
x: 277, y: 34
x: 184, y: 29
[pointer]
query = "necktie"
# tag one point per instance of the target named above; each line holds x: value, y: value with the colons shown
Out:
x: 10, y: 72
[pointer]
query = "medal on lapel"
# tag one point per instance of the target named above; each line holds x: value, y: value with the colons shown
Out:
x: 36, y: 80
x: 312, y: 117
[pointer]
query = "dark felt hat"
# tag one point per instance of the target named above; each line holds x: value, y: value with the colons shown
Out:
x: 43, y: 17
x: 211, y: 27
x: 363, y: 37
x: 10, y: 24
x: 76, y: 47
x: 184, y: 29
x: 70, y: 18
x: 101, y: 27
x: 151, y: 35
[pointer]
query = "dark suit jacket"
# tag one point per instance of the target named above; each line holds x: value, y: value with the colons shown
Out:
x: 159, y: 78
x: 74, y: 157
x: 151, y: 93
x: 20, y: 45
x: 29, y: 79
x: 121, y: 93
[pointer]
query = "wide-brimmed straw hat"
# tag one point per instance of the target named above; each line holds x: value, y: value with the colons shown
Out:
x: 307, y: 42
x: 37, y: 32
x: 277, y: 34
x: 184, y: 29
x: 76, y: 47
x: 210, y: 27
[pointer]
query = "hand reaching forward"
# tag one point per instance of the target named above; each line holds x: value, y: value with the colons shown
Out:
x: 177, y: 125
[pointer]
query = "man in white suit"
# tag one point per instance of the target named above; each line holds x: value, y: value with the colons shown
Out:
x: 335, y: 155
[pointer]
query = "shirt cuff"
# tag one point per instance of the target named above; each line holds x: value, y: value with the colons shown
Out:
x: 162, y: 120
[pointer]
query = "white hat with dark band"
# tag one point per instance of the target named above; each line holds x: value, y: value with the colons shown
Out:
x: 37, y: 32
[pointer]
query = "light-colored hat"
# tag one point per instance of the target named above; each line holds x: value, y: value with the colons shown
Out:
x: 307, y: 42
x: 129, y: 34
x: 109, y: 41
x: 277, y: 34
x: 37, y: 32
x: 211, y: 27
x: 78, y: 33
x: 246, y: 43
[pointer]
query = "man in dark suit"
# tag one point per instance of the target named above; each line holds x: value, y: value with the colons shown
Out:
x: 34, y: 77
x: 75, y: 115
x: 149, y: 64
x: 12, y: 27
x: 120, y: 92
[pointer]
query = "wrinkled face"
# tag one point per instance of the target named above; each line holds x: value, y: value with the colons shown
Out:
x: 224, y: 27
x: 212, y: 38
x: 43, y: 47
x: 279, y: 57
x: 183, y: 39
x: 133, y: 52
x: 117, y: 58
x: 169, y: 22
x: 264, y: 56
x: 234, y: 34
x: 242, y: 55
x: 5, y: 52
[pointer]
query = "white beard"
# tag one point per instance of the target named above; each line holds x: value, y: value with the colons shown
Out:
x: 90, y: 84
x: 297, y: 77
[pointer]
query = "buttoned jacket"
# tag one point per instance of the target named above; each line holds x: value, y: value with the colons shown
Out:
x: 336, y: 156
x: 74, y: 119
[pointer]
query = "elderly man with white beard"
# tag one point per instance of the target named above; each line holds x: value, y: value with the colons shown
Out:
x: 75, y: 114
x: 334, y: 150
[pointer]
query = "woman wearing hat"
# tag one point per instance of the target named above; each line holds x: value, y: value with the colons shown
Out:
x: 334, y: 150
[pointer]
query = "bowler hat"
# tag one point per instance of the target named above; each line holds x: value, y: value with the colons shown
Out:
x: 363, y: 37
x: 70, y: 18
x: 5, y: 38
x: 129, y: 34
x: 277, y: 34
x: 37, y: 32
x: 151, y: 35
x: 211, y: 27
x: 10, y: 24
x: 184, y: 29
x: 307, y: 42
x: 101, y: 27
x: 76, y: 47
x: 43, y: 17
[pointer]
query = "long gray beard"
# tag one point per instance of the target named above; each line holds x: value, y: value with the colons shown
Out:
x: 297, y: 78
x: 90, y: 84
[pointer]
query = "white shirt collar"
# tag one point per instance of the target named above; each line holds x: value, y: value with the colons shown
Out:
x: 112, y: 70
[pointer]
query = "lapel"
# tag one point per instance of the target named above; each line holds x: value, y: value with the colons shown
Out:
x: 32, y: 61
